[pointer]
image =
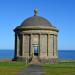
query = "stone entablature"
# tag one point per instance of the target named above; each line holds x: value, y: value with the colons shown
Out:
x: 38, y: 32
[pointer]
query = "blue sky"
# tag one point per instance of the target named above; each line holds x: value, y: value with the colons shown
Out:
x: 60, y: 13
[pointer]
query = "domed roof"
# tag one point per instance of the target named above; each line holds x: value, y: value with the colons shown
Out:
x: 36, y: 21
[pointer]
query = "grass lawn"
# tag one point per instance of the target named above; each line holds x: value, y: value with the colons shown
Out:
x: 65, y: 68
x: 11, y: 68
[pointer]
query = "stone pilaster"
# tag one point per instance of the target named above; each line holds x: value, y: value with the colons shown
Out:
x: 15, y: 54
x: 43, y: 46
x: 48, y: 43
x: 23, y: 45
x: 39, y: 44
x: 31, y: 45
x: 18, y: 44
x: 50, y: 46
x: 55, y: 46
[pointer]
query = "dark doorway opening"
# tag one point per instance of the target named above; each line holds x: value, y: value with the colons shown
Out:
x: 35, y: 50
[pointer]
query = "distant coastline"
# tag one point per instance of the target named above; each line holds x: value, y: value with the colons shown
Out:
x: 62, y: 54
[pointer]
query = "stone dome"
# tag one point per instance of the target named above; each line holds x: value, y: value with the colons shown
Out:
x: 36, y: 21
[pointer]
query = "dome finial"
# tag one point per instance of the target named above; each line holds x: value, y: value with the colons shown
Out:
x: 35, y: 12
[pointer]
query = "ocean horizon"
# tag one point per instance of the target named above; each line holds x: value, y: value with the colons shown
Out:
x: 62, y: 54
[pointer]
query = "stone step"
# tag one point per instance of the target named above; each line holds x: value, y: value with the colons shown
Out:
x: 35, y: 60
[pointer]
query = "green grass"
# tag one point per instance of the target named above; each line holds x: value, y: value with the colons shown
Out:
x: 65, y: 68
x: 11, y: 68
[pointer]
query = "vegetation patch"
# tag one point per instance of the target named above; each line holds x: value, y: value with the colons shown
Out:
x: 11, y: 68
x: 64, y: 68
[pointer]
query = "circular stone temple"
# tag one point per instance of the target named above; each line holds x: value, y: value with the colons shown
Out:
x: 36, y: 40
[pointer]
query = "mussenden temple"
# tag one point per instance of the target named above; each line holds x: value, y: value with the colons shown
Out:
x: 36, y: 40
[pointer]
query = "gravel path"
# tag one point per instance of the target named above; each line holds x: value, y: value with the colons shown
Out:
x: 33, y: 69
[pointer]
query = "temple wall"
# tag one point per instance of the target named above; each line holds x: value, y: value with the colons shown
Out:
x: 25, y: 45
x: 45, y: 39
x: 17, y: 45
x: 50, y: 46
x: 43, y: 46
x: 55, y: 46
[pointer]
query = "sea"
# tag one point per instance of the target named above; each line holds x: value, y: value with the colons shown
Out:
x: 62, y: 54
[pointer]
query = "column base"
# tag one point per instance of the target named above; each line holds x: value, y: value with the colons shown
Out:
x: 41, y: 60
x: 48, y: 60
x: 22, y: 59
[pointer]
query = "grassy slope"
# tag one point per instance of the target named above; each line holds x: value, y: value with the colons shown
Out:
x: 11, y: 68
x: 60, y: 69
